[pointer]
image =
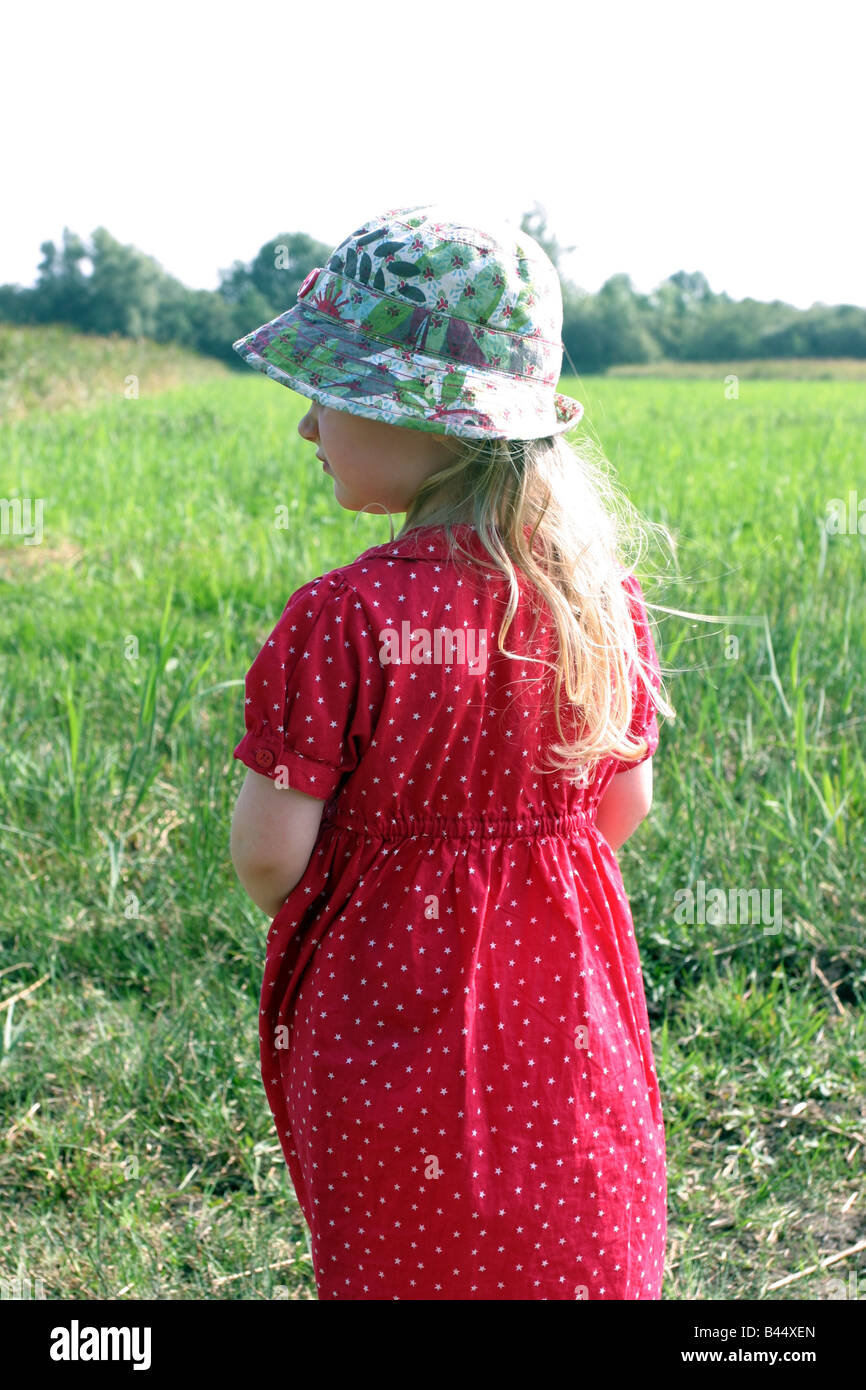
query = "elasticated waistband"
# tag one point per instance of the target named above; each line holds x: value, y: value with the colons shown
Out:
x: 384, y: 827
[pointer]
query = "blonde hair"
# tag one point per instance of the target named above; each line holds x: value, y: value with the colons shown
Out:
x: 583, y: 529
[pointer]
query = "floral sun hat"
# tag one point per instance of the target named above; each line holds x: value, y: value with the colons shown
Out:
x: 430, y: 324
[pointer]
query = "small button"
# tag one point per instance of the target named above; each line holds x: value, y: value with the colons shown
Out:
x: 309, y: 282
x: 264, y: 757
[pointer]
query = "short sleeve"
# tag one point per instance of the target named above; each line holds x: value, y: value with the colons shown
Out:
x: 644, y: 722
x: 314, y: 692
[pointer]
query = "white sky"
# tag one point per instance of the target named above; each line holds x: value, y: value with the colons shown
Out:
x: 657, y: 136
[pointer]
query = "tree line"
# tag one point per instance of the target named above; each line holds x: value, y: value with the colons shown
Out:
x: 105, y: 287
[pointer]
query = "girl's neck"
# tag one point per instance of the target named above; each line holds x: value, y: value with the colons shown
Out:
x: 441, y: 516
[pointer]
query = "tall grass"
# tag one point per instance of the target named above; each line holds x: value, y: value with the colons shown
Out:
x: 140, y: 1158
x: 52, y: 367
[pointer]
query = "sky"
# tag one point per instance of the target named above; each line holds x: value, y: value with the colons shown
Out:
x: 726, y: 139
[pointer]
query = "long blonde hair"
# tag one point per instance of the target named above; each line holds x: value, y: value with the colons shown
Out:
x: 584, y: 531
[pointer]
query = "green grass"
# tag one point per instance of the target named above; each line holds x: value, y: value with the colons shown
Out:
x: 140, y: 1156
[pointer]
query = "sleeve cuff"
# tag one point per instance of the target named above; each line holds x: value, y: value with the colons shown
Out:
x: 652, y: 738
x: 268, y: 755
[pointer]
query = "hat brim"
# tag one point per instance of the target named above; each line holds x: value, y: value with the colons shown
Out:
x: 344, y: 368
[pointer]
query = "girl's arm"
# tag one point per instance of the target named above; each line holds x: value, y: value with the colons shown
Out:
x: 626, y: 803
x: 274, y: 830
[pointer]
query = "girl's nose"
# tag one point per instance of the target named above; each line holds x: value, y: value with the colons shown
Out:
x: 307, y: 426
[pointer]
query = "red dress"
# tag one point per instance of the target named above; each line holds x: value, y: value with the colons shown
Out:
x: 454, y: 1036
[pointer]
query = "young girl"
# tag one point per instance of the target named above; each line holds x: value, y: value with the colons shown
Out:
x: 448, y: 739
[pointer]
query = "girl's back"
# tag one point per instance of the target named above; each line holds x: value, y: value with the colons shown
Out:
x: 454, y: 1038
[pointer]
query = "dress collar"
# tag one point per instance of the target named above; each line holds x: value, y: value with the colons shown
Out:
x: 427, y: 543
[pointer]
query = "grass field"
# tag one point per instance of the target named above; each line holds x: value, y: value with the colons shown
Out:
x: 755, y: 369
x: 139, y: 1156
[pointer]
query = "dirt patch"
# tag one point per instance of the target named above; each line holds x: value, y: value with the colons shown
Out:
x: 18, y: 557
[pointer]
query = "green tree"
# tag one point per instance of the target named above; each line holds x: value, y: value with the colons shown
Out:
x: 675, y: 306
x: 125, y: 288
x: 274, y: 275
x: 62, y: 288
x: 607, y: 328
